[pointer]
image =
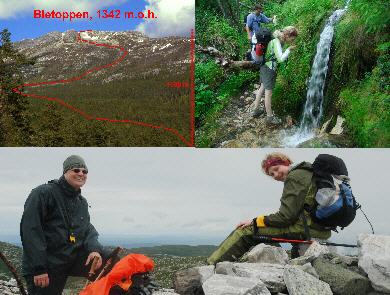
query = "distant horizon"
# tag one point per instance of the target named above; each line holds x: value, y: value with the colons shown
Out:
x: 135, y: 241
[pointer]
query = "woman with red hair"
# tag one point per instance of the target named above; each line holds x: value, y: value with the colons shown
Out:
x: 299, y: 189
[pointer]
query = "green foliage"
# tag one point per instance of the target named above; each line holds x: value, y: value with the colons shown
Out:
x: 14, y: 118
x: 367, y: 111
x: 375, y: 14
x: 384, y: 72
x: 208, y: 102
x: 208, y: 73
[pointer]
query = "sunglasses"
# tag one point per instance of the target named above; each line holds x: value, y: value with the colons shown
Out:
x: 77, y: 170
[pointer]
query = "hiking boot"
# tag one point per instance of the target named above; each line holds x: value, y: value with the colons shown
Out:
x: 248, y: 55
x: 257, y: 112
x: 272, y: 121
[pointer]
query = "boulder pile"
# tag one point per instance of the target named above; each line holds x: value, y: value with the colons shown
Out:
x: 319, y: 271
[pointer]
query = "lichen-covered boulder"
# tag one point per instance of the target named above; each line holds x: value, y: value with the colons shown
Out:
x: 299, y: 282
x: 342, y: 281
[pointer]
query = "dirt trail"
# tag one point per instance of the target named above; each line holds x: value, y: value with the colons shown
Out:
x: 238, y: 129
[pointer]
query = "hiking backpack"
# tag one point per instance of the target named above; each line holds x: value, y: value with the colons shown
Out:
x: 335, y: 203
x: 260, y: 41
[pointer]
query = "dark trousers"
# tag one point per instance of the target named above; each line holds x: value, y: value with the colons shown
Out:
x: 58, y: 277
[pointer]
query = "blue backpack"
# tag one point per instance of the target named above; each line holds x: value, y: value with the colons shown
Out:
x: 335, y: 203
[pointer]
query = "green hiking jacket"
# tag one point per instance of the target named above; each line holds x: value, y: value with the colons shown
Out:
x: 52, y: 213
x: 299, y: 189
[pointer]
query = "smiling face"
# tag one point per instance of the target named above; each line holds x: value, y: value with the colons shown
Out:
x: 278, y: 172
x: 76, y: 180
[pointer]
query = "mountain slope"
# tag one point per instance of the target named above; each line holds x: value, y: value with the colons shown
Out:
x: 133, y: 89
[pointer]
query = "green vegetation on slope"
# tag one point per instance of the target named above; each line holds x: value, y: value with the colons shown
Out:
x: 360, y: 86
x: 177, y: 250
x: 143, y: 98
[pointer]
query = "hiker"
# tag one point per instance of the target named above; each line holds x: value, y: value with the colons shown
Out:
x: 254, y: 20
x: 57, y: 236
x: 299, y: 189
x: 268, y: 71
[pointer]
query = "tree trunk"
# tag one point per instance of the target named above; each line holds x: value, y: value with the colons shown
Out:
x: 221, y: 7
x: 225, y: 62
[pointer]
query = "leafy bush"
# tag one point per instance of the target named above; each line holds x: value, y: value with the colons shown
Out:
x: 375, y: 14
x: 367, y: 111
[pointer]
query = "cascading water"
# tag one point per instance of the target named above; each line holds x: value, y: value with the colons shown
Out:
x: 316, y: 83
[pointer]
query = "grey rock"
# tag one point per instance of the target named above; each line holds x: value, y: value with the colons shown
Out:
x: 348, y: 260
x: 263, y: 253
x: 315, y: 249
x: 270, y: 274
x: 341, y: 280
x: 165, y: 292
x: 205, y: 272
x: 231, y: 285
x: 374, y: 259
x: 301, y: 260
x: 9, y: 287
x: 188, y: 282
x: 70, y: 36
x: 310, y: 270
x: 299, y: 282
x: 338, y: 129
x: 224, y: 268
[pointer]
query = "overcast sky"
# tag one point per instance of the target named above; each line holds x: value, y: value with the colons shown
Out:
x: 202, y: 193
x: 173, y: 18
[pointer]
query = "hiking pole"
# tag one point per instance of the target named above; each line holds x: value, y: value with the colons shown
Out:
x: 111, y: 257
x: 92, y: 271
x: 13, y: 271
x: 265, y: 239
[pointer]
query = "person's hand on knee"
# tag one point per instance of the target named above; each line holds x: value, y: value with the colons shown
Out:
x: 41, y: 280
x: 244, y: 224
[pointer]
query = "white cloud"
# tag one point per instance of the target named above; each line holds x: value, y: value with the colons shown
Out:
x: 174, y: 18
x: 13, y: 9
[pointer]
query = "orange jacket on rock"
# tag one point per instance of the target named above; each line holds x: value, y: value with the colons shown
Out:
x: 124, y: 269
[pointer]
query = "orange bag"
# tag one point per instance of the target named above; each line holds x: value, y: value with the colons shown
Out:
x: 124, y: 269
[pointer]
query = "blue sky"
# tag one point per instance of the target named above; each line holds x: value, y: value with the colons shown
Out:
x: 174, y: 18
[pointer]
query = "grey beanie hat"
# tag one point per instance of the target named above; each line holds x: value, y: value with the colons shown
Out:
x: 74, y: 161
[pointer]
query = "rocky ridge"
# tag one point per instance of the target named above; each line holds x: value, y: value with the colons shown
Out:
x: 319, y: 271
x: 61, y: 55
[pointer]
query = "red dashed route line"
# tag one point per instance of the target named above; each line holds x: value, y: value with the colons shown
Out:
x: 112, y: 120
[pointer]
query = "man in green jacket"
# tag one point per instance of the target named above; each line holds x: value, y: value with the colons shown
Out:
x: 57, y: 236
x: 299, y: 189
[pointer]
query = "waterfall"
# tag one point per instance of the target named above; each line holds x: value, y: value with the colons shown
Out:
x: 315, y: 94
